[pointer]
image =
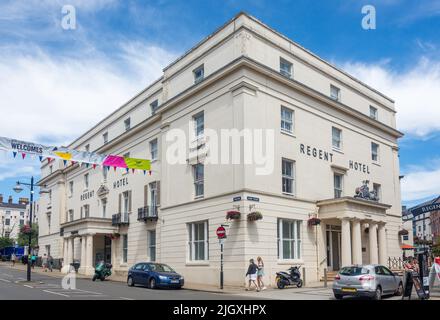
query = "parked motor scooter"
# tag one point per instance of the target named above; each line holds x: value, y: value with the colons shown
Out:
x: 102, y: 271
x: 291, y: 277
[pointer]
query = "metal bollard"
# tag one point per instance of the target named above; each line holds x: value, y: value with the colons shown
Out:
x: 304, y: 276
x: 325, y: 278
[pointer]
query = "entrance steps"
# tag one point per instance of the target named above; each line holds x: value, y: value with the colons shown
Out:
x: 330, y: 276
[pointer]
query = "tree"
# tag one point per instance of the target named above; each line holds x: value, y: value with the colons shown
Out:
x: 6, y: 242
x: 23, y: 236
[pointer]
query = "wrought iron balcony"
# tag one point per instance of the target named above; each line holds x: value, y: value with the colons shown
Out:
x: 120, y: 219
x: 148, y: 213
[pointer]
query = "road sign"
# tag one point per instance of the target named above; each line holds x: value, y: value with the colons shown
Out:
x: 221, y: 232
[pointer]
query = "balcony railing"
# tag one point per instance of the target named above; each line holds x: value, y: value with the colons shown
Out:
x: 120, y: 219
x: 148, y: 213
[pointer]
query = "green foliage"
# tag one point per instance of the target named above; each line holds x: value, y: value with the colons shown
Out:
x: 6, y: 242
x: 436, y: 248
x: 23, y: 238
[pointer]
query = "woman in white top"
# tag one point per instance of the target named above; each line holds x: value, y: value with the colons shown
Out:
x: 260, y: 273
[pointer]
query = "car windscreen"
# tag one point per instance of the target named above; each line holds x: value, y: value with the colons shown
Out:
x: 353, y: 271
x: 161, y: 268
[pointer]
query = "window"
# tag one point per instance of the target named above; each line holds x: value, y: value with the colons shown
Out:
x: 198, y: 241
x: 7, y: 222
x: 127, y: 124
x: 104, y: 173
x: 152, y: 245
x: 87, y: 148
x: 373, y: 112
x: 336, y: 138
x: 153, y: 194
x: 21, y: 214
x: 71, y: 188
x: 374, y: 152
x: 126, y: 205
x: 377, y: 190
x: 86, y: 211
x: 337, y: 182
x: 199, y: 124
x: 124, y: 248
x: 49, y: 219
x: 199, y: 172
x: 71, y: 215
x: 50, y: 195
x: 21, y: 222
x: 7, y: 234
x: 126, y: 155
x: 286, y: 120
x: 104, y: 207
x: 335, y: 93
x: 86, y: 181
x: 105, y: 138
x: 288, y: 176
x: 153, y: 106
x: 289, y: 239
x: 153, y: 149
x: 51, y: 169
x: 199, y: 74
x: 285, y: 68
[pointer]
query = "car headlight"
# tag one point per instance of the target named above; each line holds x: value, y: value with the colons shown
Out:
x: 162, y: 278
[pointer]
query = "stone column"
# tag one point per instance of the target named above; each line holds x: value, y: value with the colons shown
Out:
x: 345, y: 243
x: 114, y: 253
x: 90, y: 268
x: 372, y: 233
x: 65, y: 268
x: 356, y: 237
x: 383, y: 255
x: 83, y: 255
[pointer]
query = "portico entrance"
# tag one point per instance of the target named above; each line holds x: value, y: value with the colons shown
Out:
x: 333, y: 245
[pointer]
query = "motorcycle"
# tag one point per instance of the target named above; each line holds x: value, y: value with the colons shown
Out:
x: 291, y: 277
x: 102, y: 271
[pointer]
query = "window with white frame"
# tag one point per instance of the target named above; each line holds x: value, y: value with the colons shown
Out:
x: 289, y: 239
x: 124, y: 248
x: 198, y: 241
x: 104, y: 173
x: 336, y: 138
x: 127, y: 124
x: 153, y: 150
x: 71, y: 214
x: 153, y: 106
x: 286, y: 120
x: 104, y: 207
x: 338, y: 184
x: 152, y: 245
x: 199, y: 174
x: 153, y: 194
x: 70, y: 188
x: 7, y: 221
x: 86, y: 211
x: 126, y: 205
x: 86, y: 181
x: 105, y: 137
x: 377, y: 190
x: 286, y: 68
x: 373, y: 113
x: 199, y: 124
x: 288, y: 176
x: 199, y: 74
x: 374, y: 152
x: 335, y: 93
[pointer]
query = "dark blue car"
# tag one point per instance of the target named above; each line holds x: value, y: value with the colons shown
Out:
x: 154, y: 275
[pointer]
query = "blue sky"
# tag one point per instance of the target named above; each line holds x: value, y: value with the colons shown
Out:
x: 75, y: 77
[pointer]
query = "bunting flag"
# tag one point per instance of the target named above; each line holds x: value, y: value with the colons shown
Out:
x: 65, y: 154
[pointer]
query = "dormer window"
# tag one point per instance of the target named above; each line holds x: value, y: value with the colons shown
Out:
x: 154, y: 105
x: 335, y: 93
x: 127, y: 124
x: 199, y: 74
x: 286, y: 68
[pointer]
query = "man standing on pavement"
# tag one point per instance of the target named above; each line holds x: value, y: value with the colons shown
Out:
x: 13, y: 258
x: 50, y: 263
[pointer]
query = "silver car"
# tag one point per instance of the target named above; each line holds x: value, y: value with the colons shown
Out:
x: 371, y: 280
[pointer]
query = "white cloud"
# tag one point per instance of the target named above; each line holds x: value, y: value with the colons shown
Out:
x: 416, y: 92
x: 421, y: 183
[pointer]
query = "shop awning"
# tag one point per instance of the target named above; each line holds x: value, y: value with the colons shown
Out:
x: 407, y: 247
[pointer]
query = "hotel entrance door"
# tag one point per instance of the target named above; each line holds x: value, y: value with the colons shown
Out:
x: 333, y: 243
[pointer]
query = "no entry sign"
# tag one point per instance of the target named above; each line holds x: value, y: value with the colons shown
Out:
x: 221, y: 232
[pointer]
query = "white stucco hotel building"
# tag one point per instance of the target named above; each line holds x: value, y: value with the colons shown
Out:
x: 331, y: 132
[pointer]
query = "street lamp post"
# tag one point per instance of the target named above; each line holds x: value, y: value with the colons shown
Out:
x: 18, y: 189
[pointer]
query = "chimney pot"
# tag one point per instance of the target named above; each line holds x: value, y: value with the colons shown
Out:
x: 10, y: 200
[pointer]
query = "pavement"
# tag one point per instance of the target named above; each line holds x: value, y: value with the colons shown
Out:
x: 49, y: 286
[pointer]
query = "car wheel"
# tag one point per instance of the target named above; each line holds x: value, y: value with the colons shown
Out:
x: 153, y: 283
x: 399, y: 290
x: 378, y: 294
x: 338, y: 296
x: 130, y: 282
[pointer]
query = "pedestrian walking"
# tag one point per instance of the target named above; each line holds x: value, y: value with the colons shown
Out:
x: 260, y: 273
x: 252, y: 273
x: 44, y: 262
x: 13, y: 258
x: 50, y: 263
x: 33, y: 260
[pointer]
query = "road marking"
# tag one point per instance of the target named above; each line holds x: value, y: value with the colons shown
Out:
x: 124, y: 298
x: 26, y: 285
x: 87, y: 291
x: 4, y: 280
x: 57, y: 293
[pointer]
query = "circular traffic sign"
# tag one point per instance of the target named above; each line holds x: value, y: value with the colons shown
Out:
x: 221, y: 232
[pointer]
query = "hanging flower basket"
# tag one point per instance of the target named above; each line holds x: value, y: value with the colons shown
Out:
x: 314, y: 222
x: 26, y: 229
x: 403, y: 232
x: 233, y: 215
x: 254, y: 216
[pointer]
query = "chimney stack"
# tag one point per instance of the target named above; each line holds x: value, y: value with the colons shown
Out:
x: 23, y: 201
x: 1, y: 198
x: 10, y: 200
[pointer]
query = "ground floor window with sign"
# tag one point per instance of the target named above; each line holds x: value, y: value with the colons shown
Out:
x: 198, y: 241
x: 152, y: 245
x: 289, y: 239
x: 124, y: 248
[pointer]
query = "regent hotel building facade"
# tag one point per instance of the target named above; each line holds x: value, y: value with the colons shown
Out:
x: 331, y: 132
